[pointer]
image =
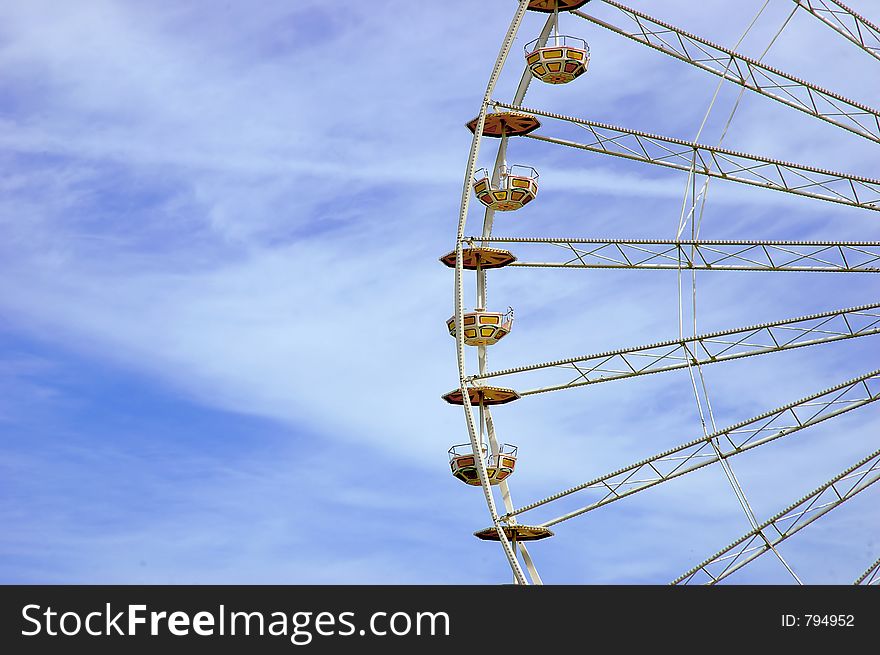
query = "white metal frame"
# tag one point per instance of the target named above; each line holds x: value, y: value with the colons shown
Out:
x: 703, y: 255
x: 745, y: 71
x: 743, y: 255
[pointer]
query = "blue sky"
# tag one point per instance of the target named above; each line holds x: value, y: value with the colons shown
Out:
x: 222, y: 338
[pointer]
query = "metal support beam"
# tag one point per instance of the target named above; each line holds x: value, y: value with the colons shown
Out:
x: 730, y: 441
x: 740, y: 167
x: 871, y: 576
x: 510, y: 553
x: 745, y: 71
x: 845, y: 21
x: 789, y: 521
x: 704, y: 349
x: 805, y: 256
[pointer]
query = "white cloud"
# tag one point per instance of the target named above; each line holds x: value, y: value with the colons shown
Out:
x: 248, y: 208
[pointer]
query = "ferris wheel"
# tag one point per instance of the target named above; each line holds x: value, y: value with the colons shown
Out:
x: 486, y: 460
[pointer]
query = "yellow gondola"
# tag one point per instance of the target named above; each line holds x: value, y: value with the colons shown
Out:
x: 517, y: 186
x: 560, y: 60
x: 499, y: 466
x: 482, y: 328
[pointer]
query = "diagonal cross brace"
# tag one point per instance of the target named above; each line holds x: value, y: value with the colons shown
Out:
x: 845, y: 21
x: 754, y: 170
x: 776, y: 256
x: 731, y: 441
x: 705, y: 349
x: 789, y: 521
x: 747, y: 72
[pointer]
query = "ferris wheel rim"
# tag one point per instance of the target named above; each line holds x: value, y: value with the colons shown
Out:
x: 502, y: 522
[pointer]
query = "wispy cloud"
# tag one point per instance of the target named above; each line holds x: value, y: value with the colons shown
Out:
x: 243, y: 209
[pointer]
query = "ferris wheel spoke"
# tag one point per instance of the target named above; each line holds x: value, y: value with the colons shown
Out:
x: 729, y: 442
x: 488, y: 219
x: 530, y: 564
x: 789, y: 521
x: 845, y: 21
x: 802, y: 256
x: 745, y: 71
x: 716, y: 162
x: 709, y: 348
x: 510, y: 118
x: 871, y: 576
x: 495, y: 449
x: 508, y: 549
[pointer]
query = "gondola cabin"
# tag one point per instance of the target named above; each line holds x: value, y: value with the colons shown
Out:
x: 517, y: 186
x: 499, y: 466
x: 482, y: 328
x: 560, y: 60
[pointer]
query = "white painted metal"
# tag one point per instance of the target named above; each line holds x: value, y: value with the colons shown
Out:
x: 482, y: 354
x: 710, y: 348
x: 789, y: 521
x: 733, y: 440
x: 845, y: 21
x: 519, y: 575
x: 755, y: 170
x: 745, y: 71
x: 706, y: 255
x: 694, y: 254
x: 871, y: 576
